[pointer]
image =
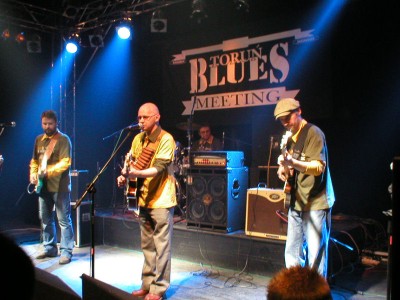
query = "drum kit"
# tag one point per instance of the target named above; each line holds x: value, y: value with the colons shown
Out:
x: 181, y: 164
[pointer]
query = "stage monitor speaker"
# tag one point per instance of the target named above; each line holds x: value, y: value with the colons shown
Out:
x: 81, y: 223
x: 81, y: 220
x: 49, y: 287
x: 266, y: 213
x: 216, y: 198
x: 95, y: 289
x: 79, y: 180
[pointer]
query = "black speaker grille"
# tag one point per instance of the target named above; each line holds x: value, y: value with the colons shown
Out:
x: 216, y: 198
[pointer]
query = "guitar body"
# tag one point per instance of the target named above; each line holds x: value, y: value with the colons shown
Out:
x: 130, y: 194
x: 39, y: 185
x: 133, y: 184
x: 131, y: 187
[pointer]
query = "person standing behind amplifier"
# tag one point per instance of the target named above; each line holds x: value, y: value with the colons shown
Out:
x: 49, y: 171
x: 304, y: 166
x: 152, y: 153
x: 207, y: 141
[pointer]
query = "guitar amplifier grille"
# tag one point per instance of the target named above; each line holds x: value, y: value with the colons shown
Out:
x: 266, y: 214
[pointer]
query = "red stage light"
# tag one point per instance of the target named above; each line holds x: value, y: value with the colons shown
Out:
x: 6, y: 34
x: 20, y: 37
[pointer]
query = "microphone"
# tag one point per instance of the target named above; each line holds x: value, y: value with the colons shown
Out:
x: 133, y: 127
x: 8, y: 124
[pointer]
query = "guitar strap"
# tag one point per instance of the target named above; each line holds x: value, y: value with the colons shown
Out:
x: 297, y: 149
x: 48, y: 152
x: 145, y: 157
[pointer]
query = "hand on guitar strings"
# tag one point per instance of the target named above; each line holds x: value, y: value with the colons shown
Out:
x: 285, y: 162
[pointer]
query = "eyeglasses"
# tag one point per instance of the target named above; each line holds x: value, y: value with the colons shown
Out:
x: 145, y: 117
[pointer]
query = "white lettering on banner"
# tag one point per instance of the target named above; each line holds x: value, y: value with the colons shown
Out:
x: 246, y: 65
x: 243, y: 42
x: 237, y: 99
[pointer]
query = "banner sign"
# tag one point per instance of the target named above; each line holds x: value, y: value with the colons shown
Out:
x: 241, y: 72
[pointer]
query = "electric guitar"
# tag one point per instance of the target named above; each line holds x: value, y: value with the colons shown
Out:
x: 131, y: 185
x: 39, y: 185
x: 289, y: 173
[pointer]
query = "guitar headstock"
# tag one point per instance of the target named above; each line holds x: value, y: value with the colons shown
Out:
x: 285, y: 139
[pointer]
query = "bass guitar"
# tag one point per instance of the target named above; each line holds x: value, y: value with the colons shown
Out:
x: 288, y: 172
x: 39, y: 185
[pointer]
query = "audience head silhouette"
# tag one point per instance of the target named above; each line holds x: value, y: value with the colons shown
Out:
x: 298, y: 283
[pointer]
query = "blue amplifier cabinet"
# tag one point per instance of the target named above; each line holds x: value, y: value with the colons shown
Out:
x: 217, y: 159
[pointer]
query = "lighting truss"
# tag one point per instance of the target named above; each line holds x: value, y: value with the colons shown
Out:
x: 89, y: 16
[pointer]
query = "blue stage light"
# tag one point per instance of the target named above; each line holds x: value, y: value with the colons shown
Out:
x: 72, y: 43
x: 124, y: 32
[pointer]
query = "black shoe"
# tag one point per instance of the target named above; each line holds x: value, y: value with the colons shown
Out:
x: 44, y: 254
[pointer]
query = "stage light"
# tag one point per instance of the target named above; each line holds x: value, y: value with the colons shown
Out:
x: 20, y: 37
x: 198, y: 11
x: 158, y: 22
x: 124, y: 29
x: 34, y: 44
x: 71, y: 11
x: 242, y: 5
x: 72, y: 43
x: 96, y: 40
x: 6, y: 34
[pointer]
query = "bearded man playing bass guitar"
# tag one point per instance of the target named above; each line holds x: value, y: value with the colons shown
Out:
x: 304, y: 165
x: 49, y: 171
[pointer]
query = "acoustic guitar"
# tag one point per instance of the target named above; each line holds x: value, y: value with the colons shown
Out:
x: 131, y: 185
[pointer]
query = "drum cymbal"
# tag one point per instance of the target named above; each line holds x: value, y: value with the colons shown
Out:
x: 185, y: 126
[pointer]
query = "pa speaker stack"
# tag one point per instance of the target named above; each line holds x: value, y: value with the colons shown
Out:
x: 216, y: 191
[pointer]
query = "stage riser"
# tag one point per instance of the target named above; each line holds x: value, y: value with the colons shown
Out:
x: 219, y: 249
x: 230, y: 250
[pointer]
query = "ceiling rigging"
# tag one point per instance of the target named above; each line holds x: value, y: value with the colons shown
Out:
x: 77, y: 16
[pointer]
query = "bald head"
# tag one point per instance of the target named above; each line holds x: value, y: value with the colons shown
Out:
x: 149, y: 108
x: 148, y: 117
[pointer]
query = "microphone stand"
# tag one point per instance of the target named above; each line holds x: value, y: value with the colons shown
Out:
x: 91, y: 189
x: 189, y: 179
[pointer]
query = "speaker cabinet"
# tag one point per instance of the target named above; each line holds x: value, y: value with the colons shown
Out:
x: 81, y: 220
x: 216, y: 198
x: 81, y: 223
x: 49, y: 287
x: 79, y: 179
x: 95, y: 289
x: 266, y: 213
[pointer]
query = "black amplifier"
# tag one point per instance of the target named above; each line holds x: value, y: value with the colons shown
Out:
x: 216, y: 159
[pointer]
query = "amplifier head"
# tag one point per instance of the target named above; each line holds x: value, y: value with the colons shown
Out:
x: 218, y: 159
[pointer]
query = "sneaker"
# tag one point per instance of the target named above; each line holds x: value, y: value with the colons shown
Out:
x: 64, y: 260
x: 50, y: 253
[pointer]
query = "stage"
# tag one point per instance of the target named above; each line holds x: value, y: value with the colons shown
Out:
x: 207, y: 263
x: 351, y: 238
